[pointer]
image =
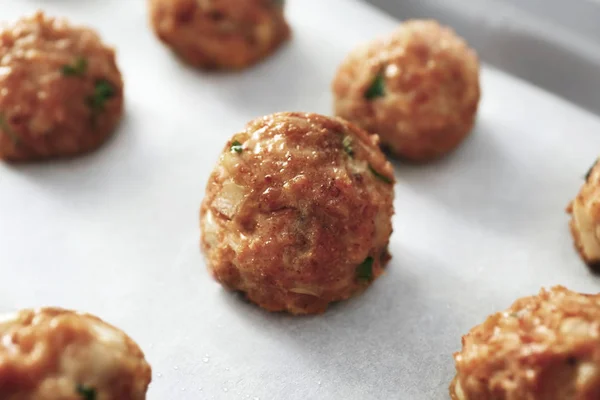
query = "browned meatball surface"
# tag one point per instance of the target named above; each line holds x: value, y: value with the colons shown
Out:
x: 298, y: 211
x: 417, y: 88
x: 55, y: 354
x: 544, y: 347
x: 227, y: 34
x: 61, y: 93
x: 585, y: 219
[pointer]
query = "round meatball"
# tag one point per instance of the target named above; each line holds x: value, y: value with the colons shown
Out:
x: 298, y: 211
x: 417, y: 88
x: 585, y: 220
x: 61, y: 93
x: 544, y: 347
x: 226, y: 34
x: 56, y: 354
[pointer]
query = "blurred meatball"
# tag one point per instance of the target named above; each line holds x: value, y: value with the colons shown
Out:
x: 417, y: 88
x: 585, y: 220
x: 61, y: 93
x: 228, y: 34
x: 55, y: 354
x: 544, y: 347
x: 298, y: 211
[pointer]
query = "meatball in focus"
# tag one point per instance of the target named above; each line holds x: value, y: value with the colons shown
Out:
x: 298, y: 211
x: 544, y: 347
x: 585, y: 219
x: 226, y: 34
x: 55, y: 354
x: 417, y: 88
x: 61, y: 92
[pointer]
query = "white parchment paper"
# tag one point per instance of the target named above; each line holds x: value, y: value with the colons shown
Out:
x: 116, y: 233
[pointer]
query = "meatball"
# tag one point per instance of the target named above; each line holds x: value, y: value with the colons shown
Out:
x: 418, y: 89
x: 585, y: 220
x: 56, y: 354
x: 225, y: 34
x: 544, y: 347
x: 298, y: 211
x: 61, y: 92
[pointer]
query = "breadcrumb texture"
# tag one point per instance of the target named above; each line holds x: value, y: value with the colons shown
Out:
x: 544, y: 347
x: 585, y: 219
x: 56, y: 354
x: 224, y: 34
x: 43, y: 113
x: 292, y: 215
x: 431, y: 89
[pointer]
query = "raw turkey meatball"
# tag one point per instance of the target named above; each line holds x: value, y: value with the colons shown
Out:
x: 417, y: 88
x: 585, y: 219
x: 56, y: 354
x: 61, y: 92
x: 298, y: 211
x: 544, y: 347
x: 226, y: 34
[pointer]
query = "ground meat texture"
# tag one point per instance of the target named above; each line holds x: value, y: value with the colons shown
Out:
x: 55, y: 354
x: 417, y: 88
x: 544, y: 347
x: 226, y: 34
x: 61, y: 93
x: 298, y: 211
x: 585, y: 219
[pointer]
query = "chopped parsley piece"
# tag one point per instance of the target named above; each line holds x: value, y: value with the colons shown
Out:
x: 380, y: 176
x: 364, y: 272
x: 78, y: 68
x: 7, y: 130
x: 103, y: 91
x: 347, y: 144
x: 587, y: 175
x: 86, y: 393
x: 279, y: 3
x: 377, y: 88
x: 236, y: 146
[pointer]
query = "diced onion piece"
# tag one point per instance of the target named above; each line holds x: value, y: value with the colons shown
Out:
x: 306, y: 289
x: 575, y: 327
x: 234, y: 240
x: 229, y: 161
x: 229, y: 199
x: 211, y: 229
x: 357, y: 166
x: 458, y: 391
x: 586, y: 373
x: 108, y: 335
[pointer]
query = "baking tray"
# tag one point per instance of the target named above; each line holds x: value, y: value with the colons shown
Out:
x: 116, y: 233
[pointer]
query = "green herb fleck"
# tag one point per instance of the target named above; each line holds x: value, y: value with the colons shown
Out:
x: 7, y: 130
x: 279, y: 3
x: 377, y: 88
x: 103, y: 91
x: 587, y: 175
x: 380, y: 176
x: 347, y: 144
x: 514, y: 315
x: 86, y: 393
x: 78, y: 68
x: 236, y: 146
x: 364, y: 272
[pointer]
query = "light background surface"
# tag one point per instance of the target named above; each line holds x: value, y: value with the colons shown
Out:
x: 116, y: 233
